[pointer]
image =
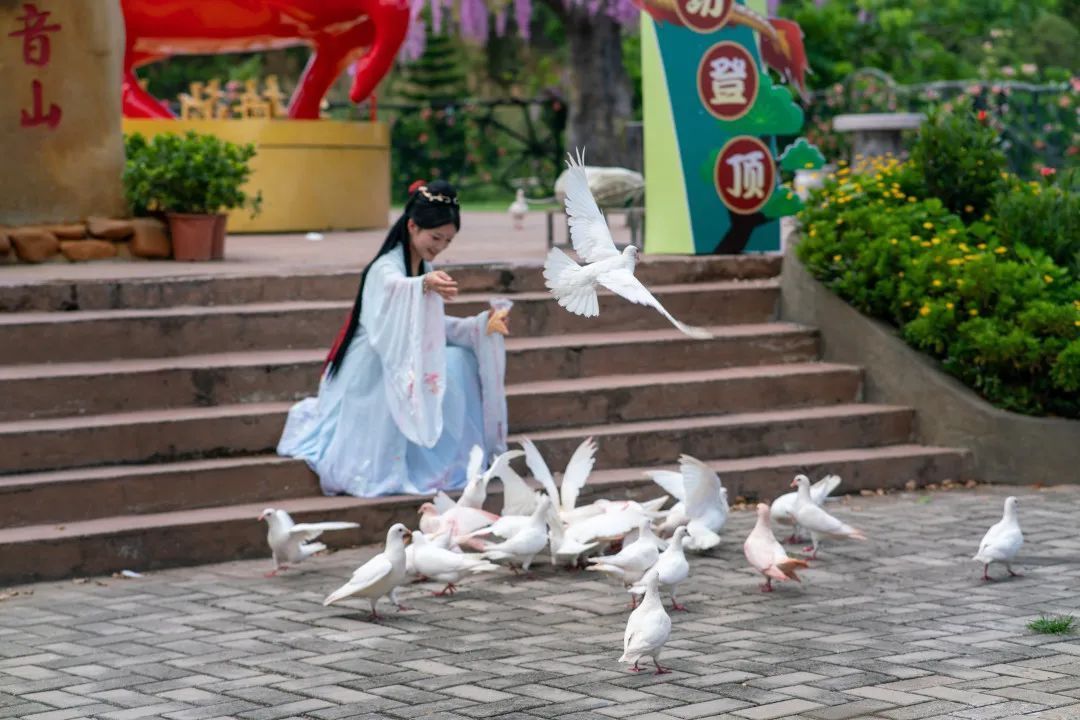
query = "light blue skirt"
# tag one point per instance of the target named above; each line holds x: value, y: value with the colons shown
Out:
x: 348, y: 438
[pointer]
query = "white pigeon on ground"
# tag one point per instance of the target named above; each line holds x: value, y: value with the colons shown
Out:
x: 766, y: 555
x: 443, y: 541
x: 632, y: 562
x: 647, y: 629
x: 381, y: 575
x: 1002, y: 541
x: 290, y: 542
x: 783, y: 507
x: 705, y: 503
x: 436, y: 518
x: 518, y: 209
x: 527, y: 543
x: 564, y: 550
x: 818, y: 522
x: 575, y: 286
x: 444, y: 565
x: 671, y: 569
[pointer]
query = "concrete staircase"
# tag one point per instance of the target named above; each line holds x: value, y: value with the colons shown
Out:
x: 139, y: 418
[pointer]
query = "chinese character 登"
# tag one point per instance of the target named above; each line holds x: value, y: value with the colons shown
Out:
x: 728, y: 77
x: 748, y: 175
x: 36, y: 47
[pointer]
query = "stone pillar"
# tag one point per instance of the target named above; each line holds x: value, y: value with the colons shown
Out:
x: 877, y: 134
x: 61, y: 147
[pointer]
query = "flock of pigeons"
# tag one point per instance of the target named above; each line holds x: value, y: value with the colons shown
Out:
x: 646, y: 545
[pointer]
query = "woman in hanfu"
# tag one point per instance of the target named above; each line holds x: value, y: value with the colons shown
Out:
x: 407, y: 391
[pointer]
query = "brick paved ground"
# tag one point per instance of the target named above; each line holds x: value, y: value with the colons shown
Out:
x: 900, y: 627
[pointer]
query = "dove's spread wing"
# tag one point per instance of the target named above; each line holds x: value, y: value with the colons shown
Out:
x: 823, y: 488
x: 622, y: 282
x: 671, y: 481
x: 310, y: 531
x: 589, y: 230
x: 703, y: 487
x: 540, y: 470
x: 518, y: 498
x: 476, y: 462
x: 577, y: 472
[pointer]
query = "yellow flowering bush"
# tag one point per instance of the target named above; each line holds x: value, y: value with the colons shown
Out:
x: 1002, y: 317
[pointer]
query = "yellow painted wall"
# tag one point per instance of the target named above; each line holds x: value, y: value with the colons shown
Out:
x: 313, y: 174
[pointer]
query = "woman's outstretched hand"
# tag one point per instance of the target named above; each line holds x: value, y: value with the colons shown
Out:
x: 498, y: 322
x: 441, y: 283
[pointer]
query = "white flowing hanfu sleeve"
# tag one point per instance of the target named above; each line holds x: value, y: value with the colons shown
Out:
x: 406, y: 328
x: 490, y: 351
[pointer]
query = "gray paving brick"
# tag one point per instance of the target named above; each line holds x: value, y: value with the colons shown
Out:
x: 900, y: 628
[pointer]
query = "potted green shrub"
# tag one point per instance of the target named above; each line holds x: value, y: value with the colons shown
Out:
x: 191, y: 179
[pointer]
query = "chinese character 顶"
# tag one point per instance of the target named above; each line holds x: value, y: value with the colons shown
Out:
x: 36, y: 47
x: 748, y: 175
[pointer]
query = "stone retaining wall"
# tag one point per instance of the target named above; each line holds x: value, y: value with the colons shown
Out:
x: 1007, y: 447
x: 95, y: 239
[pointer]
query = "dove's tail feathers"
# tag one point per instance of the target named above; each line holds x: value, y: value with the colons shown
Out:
x: 497, y: 555
x: 474, y: 543
x: 695, y: 332
x: 608, y: 569
x: 856, y: 534
x: 775, y: 573
x: 561, y: 275
x: 342, y: 592
x: 789, y: 566
x: 483, y: 567
x: 312, y: 548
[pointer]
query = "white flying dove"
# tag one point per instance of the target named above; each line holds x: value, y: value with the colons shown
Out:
x: 379, y: 576
x: 573, y: 285
x: 768, y: 556
x: 291, y: 542
x: 1002, y: 541
x: 813, y: 518
x: 647, y: 629
x: 633, y: 561
x: 577, y: 473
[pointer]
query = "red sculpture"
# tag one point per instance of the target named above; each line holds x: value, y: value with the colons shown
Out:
x: 338, y: 30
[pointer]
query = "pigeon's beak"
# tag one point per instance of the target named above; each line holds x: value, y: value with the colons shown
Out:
x: 262, y: 516
x: 407, y: 538
x: 794, y: 483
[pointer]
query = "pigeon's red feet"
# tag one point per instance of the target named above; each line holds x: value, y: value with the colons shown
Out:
x: 1014, y: 574
x: 792, y: 539
x: 636, y: 668
x: 766, y: 587
x: 450, y: 589
x: 275, y: 571
x: 986, y: 574
x: 661, y: 671
x: 403, y: 608
x: 374, y: 617
x: 677, y: 606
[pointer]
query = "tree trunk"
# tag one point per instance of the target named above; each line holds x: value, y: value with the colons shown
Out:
x: 738, y: 234
x: 600, y: 100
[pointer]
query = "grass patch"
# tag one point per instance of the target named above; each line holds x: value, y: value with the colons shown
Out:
x: 1059, y: 625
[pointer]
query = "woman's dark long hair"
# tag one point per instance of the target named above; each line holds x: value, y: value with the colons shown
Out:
x: 429, y: 206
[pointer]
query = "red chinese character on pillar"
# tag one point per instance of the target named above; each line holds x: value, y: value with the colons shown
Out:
x: 36, y: 48
x: 37, y: 116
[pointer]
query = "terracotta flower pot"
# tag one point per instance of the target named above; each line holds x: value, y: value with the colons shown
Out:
x: 192, y: 235
x: 218, y: 251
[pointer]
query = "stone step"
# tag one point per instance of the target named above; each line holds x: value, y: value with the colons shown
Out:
x: 61, y: 389
x: 157, y: 540
x: 235, y: 430
x: 84, y: 493
x: 42, y: 337
x: 339, y: 284
x: 550, y: 404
